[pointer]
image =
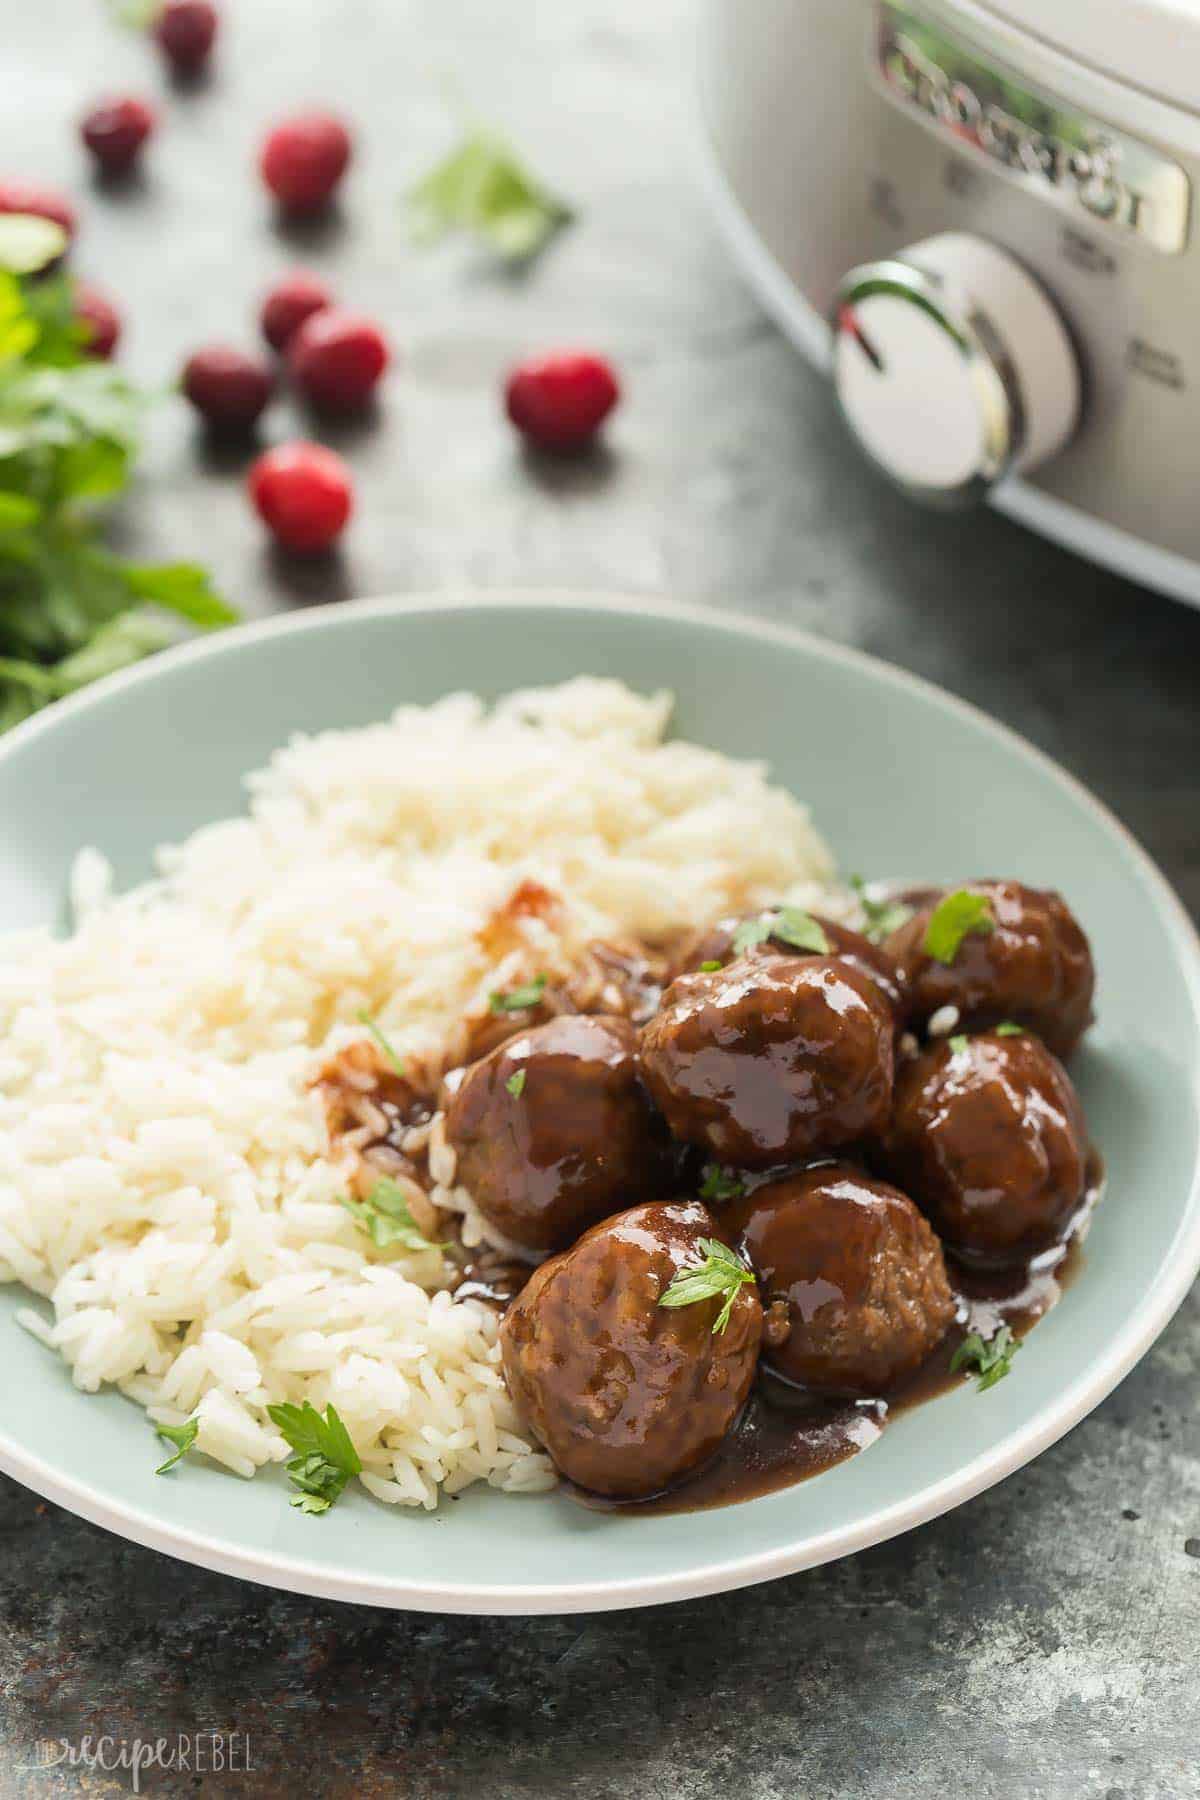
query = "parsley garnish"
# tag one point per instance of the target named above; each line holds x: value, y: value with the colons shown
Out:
x: 711, y: 966
x: 516, y: 1084
x: 991, y: 1357
x: 954, y: 918
x: 325, y: 1458
x: 1006, y: 1028
x: 751, y: 932
x: 518, y: 999
x: 721, y: 1184
x: 70, y: 609
x: 393, y: 1056
x: 721, y: 1273
x: 385, y: 1216
x: 789, y: 924
x: 881, y: 917
x: 958, y: 1043
x: 482, y: 187
x: 182, y: 1436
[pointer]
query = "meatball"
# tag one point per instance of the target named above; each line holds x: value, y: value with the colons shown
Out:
x: 716, y: 945
x: 771, y: 1059
x: 852, y: 1278
x: 1033, y: 967
x: 627, y: 1395
x: 988, y: 1134
x: 553, y: 1130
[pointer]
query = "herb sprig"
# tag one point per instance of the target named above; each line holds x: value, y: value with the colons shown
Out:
x: 387, y: 1219
x: 881, y: 917
x: 183, y: 1437
x: 483, y: 188
x: 518, y: 999
x: 789, y: 924
x: 991, y: 1357
x: 722, y: 1273
x: 720, y: 1184
x: 325, y: 1458
x: 372, y: 1025
x: 955, y: 917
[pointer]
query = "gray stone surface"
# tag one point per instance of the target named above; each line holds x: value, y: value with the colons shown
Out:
x: 1039, y: 1641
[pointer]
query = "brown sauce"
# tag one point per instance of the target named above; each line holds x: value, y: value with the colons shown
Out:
x: 786, y: 1435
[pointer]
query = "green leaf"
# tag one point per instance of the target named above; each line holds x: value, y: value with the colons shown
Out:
x: 518, y: 999
x: 481, y: 187
x: 958, y: 1044
x: 710, y: 967
x: 18, y: 331
x: 721, y: 1274
x: 800, y: 929
x: 954, y: 918
x: 516, y: 1084
x: 393, y: 1056
x: 29, y: 243
x: 1006, y: 1028
x: 386, y: 1218
x: 325, y: 1458
x: 181, y: 588
x: 751, y: 932
x: 990, y: 1357
x: 17, y: 511
x: 882, y: 917
x: 182, y: 1436
x: 119, y: 644
x: 720, y: 1184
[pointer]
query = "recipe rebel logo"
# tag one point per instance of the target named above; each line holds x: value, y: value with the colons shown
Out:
x: 186, y: 1753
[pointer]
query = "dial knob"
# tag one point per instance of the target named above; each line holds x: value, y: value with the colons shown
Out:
x: 953, y: 367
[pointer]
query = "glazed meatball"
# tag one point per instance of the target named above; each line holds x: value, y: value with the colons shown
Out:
x: 852, y: 1279
x: 1033, y: 967
x: 716, y: 945
x: 627, y: 1395
x: 771, y: 1059
x: 988, y: 1135
x: 553, y: 1130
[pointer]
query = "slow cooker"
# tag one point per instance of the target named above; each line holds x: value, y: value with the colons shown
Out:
x: 980, y: 219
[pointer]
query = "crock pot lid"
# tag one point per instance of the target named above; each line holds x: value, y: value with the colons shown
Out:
x: 1155, y: 44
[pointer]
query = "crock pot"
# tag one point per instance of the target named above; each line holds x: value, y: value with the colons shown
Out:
x: 980, y: 219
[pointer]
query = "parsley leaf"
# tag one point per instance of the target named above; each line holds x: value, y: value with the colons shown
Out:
x: 720, y: 1184
x: 751, y: 932
x: 393, y: 1056
x: 881, y: 917
x: 386, y: 1218
x: 325, y: 1458
x: 481, y: 187
x: 182, y: 1436
x: 958, y: 1043
x: 954, y: 918
x: 991, y: 1357
x: 800, y: 929
x: 518, y: 999
x: 1006, y: 1028
x: 722, y: 1273
x: 516, y: 1084
x: 710, y: 967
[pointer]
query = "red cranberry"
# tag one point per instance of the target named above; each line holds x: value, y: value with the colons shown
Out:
x: 115, y: 131
x: 304, y: 159
x: 185, y: 30
x: 304, y: 494
x: 560, y: 401
x: 337, y: 358
x: 100, y: 321
x: 227, y: 387
x: 42, y: 202
x: 289, y: 303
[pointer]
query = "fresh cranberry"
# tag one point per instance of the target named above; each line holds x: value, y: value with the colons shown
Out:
x: 303, y: 160
x: 42, y: 202
x: 336, y: 359
x: 560, y: 401
x: 100, y: 320
x: 227, y: 387
x: 115, y: 131
x: 304, y: 494
x: 296, y: 298
x: 185, y: 30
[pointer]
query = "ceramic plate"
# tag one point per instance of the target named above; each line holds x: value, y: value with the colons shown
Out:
x: 901, y: 780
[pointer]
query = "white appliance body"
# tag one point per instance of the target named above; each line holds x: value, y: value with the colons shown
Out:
x: 842, y: 133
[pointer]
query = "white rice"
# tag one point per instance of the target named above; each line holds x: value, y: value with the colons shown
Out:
x: 166, y: 1177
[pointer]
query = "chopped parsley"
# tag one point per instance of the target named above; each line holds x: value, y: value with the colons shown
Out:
x: 789, y: 924
x: 483, y: 188
x: 722, y: 1273
x: 393, y: 1056
x: 516, y: 1084
x: 991, y: 1358
x: 751, y: 932
x: 325, y: 1458
x: 518, y: 999
x: 1006, y: 1028
x: 711, y: 966
x: 881, y: 917
x: 385, y: 1217
x: 959, y: 1043
x: 721, y: 1184
x: 954, y: 918
x: 182, y: 1436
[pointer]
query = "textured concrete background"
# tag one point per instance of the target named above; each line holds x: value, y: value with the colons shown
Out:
x: 1042, y: 1640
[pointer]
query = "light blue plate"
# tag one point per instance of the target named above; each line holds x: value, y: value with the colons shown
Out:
x: 901, y: 779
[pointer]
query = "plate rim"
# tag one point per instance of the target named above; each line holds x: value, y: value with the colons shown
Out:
x: 1154, y: 1311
